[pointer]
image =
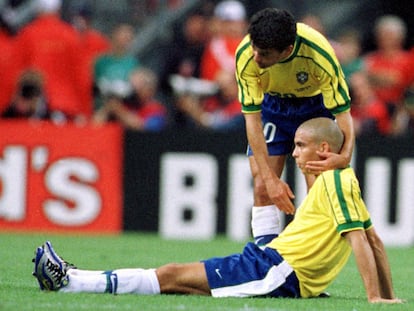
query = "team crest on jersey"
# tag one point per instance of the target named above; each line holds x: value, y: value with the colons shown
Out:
x: 302, y: 77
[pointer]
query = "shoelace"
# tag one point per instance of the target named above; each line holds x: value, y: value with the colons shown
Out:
x: 67, y: 265
x: 55, y: 271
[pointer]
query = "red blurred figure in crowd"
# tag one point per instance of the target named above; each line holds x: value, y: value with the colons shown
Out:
x: 390, y: 67
x: 52, y: 46
x: 7, y: 65
x: 369, y: 113
x: 94, y: 44
x: 229, y: 26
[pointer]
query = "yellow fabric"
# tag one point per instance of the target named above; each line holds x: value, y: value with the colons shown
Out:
x: 311, y: 69
x: 313, y: 243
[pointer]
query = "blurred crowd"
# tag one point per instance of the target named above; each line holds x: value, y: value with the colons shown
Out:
x: 68, y: 71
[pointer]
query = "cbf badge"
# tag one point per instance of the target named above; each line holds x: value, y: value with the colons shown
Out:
x: 302, y: 77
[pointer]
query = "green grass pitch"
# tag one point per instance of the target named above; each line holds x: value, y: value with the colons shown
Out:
x: 19, y: 290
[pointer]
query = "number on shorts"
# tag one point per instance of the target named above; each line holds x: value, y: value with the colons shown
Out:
x: 269, y: 131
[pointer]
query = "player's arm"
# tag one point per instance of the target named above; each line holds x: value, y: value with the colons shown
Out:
x: 367, y: 266
x: 382, y: 263
x: 251, y: 96
x: 333, y: 160
x: 345, y: 123
x: 279, y: 192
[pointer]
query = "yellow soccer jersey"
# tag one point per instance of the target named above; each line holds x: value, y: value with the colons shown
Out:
x: 313, y: 243
x: 311, y: 69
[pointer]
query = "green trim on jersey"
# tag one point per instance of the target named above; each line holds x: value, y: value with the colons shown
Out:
x: 295, y: 51
x: 368, y: 224
x: 254, y: 107
x: 242, y: 48
x: 350, y: 226
x: 341, y: 198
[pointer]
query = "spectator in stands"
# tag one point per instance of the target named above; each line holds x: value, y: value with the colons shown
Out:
x: 389, y: 67
x: 403, y: 120
x: 183, y: 53
x: 180, y: 69
x: 7, y: 64
x: 229, y: 26
x: 370, y: 115
x: 218, y: 112
x: 139, y: 110
x: 52, y: 46
x: 407, y: 119
x: 29, y: 102
x: 112, y: 70
x: 94, y: 44
x: 351, y: 60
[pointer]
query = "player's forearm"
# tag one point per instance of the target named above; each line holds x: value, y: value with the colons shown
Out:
x: 384, y: 274
x: 383, y: 266
x: 345, y: 123
x: 366, y: 263
x: 257, y: 143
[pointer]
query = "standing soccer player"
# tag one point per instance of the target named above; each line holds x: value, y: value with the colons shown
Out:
x: 287, y: 73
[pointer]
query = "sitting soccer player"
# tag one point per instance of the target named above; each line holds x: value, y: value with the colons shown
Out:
x: 300, y: 262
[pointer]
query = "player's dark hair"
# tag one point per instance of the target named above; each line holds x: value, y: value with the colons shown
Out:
x: 272, y: 28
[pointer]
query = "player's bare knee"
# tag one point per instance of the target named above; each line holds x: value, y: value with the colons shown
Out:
x: 167, y: 276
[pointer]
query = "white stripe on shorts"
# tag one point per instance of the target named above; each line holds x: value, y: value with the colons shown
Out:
x: 274, y: 278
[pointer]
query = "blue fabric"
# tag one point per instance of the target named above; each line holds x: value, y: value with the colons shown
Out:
x: 111, y: 282
x: 284, y: 115
x: 252, y: 265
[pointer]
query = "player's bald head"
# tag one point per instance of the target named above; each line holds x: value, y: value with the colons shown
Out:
x: 324, y: 129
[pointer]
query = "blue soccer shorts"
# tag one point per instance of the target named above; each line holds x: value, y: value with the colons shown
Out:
x: 253, y: 273
x: 282, y: 116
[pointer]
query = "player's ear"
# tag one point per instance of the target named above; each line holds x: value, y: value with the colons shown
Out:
x: 289, y: 50
x: 324, y: 147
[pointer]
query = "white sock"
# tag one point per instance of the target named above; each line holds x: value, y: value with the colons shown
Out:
x: 85, y: 272
x: 265, y: 223
x: 122, y: 281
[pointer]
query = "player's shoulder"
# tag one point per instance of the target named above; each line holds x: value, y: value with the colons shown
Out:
x: 311, y: 36
x: 339, y: 179
x: 244, y: 53
x: 244, y: 47
x: 305, y: 31
x: 340, y: 172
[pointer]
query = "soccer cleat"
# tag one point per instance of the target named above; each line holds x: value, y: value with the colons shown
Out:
x: 324, y: 295
x: 50, y: 269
